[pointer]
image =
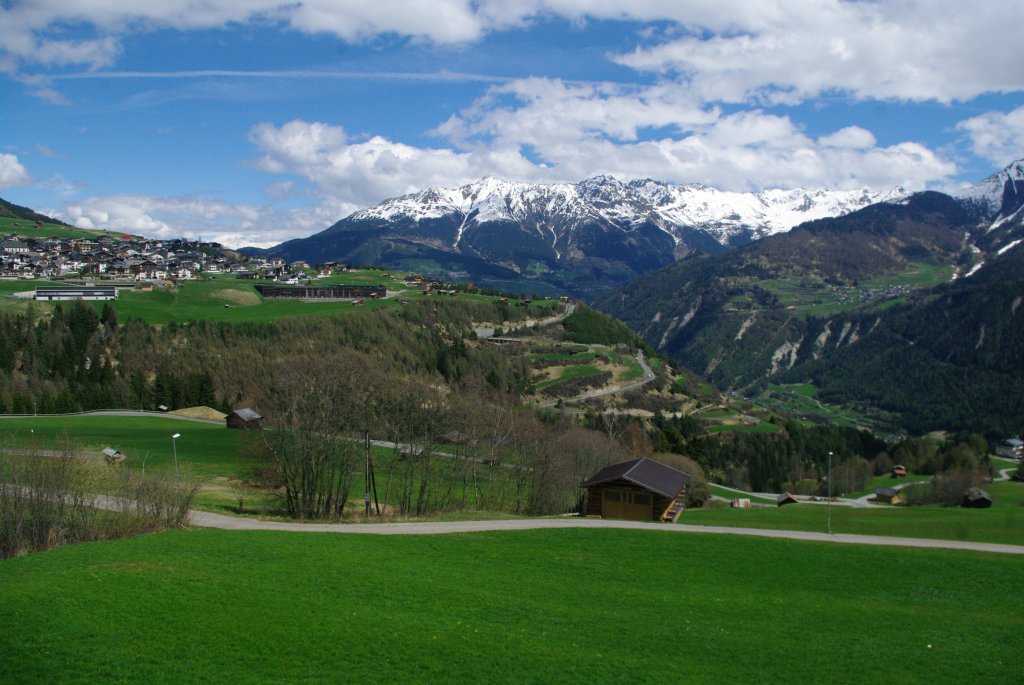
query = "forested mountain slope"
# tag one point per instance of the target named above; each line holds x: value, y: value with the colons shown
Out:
x: 863, y: 305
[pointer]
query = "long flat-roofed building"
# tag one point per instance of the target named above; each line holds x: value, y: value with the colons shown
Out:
x: 77, y: 292
x: 322, y: 292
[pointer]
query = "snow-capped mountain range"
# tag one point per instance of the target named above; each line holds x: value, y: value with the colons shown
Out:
x: 729, y: 218
x: 599, y: 234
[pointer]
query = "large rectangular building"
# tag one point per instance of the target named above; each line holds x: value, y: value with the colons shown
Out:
x: 77, y: 292
x: 322, y: 292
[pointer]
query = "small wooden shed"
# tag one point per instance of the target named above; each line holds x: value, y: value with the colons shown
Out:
x: 639, y: 490
x: 787, y: 498
x: 244, y: 418
x: 888, y: 495
x: 976, y: 498
x: 899, y: 471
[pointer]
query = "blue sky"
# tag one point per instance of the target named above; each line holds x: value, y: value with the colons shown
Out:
x: 254, y: 121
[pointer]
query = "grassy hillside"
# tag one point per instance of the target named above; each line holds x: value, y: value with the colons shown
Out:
x: 27, y: 228
x: 207, y: 606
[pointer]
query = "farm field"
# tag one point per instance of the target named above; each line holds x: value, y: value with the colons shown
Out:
x: 801, y: 401
x: 231, y: 300
x: 207, y: 605
x: 206, y: 449
x: 218, y: 457
x: 1003, y: 523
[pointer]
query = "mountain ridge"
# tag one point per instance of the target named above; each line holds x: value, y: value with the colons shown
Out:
x: 582, y: 238
x: 879, y: 289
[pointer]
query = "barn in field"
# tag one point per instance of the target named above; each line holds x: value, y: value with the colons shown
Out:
x: 639, y: 490
x: 244, y: 418
x: 888, y: 496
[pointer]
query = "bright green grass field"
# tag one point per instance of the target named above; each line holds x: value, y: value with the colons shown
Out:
x: 205, y: 448
x: 26, y: 228
x: 1003, y: 523
x: 559, y: 606
x: 205, y: 300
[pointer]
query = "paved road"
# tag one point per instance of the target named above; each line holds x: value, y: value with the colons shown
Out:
x: 209, y: 520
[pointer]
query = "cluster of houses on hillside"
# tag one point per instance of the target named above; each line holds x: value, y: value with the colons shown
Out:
x: 131, y: 258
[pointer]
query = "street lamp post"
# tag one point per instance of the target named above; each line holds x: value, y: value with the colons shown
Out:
x: 828, y: 504
x: 174, y: 446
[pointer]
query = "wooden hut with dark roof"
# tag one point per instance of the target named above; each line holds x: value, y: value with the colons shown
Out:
x: 639, y: 490
x: 244, y: 418
x: 976, y: 498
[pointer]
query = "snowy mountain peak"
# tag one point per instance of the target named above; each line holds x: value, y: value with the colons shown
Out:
x: 726, y: 217
x: 990, y: 192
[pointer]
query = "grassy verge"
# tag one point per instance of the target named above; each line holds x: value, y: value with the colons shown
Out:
x: 1003, y: 523
x: 203, y: 606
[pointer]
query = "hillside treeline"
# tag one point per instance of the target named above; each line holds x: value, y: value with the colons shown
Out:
x: 78, y: 359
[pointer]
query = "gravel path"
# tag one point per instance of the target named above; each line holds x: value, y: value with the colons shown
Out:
x: 209, y: 520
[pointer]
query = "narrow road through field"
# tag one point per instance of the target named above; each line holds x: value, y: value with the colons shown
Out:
x: 210, y: 520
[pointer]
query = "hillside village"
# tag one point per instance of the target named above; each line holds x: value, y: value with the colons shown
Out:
x: 133, y: 258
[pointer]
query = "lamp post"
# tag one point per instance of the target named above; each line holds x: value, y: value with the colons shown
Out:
x: 174, y: 446
x: 828, y: 504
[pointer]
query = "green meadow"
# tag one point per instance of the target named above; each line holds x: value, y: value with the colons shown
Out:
x: 207, y: 449
x: 1003, y: 523
x: 556, y: 606
x: 27, y: 229
x: 220, y: 458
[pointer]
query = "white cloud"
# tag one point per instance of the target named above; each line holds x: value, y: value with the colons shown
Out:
x: 852, y: 137
x: 173, y: 217
x: 362, y: 173
x: 575, y: 131
x: 37, y: 33
x: 12, y: 173
x: 941, y: 50
x: 996, y: 136
x: 726, y: 50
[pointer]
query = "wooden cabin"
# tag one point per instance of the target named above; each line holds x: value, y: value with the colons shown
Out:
x: 244, y: 418
x: 638, y: 490
x: 888, y: 496
x: 787, y: 498
x: 976, y: 498
x: 899, y: 471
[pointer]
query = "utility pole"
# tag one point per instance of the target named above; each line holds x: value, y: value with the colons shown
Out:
x: 366, y: 497
x: 828, y: 504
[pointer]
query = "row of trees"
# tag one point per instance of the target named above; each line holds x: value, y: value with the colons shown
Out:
x: 470, y: 448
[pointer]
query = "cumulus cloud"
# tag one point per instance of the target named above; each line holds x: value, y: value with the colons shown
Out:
x: 364, y: 172
x: 996, y: 136
x: 12, y: 173
x: 37, y: 33
x: 727, y: 50
x: 232, y: 225
x: 574, y: 131
x: 943, y: 50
